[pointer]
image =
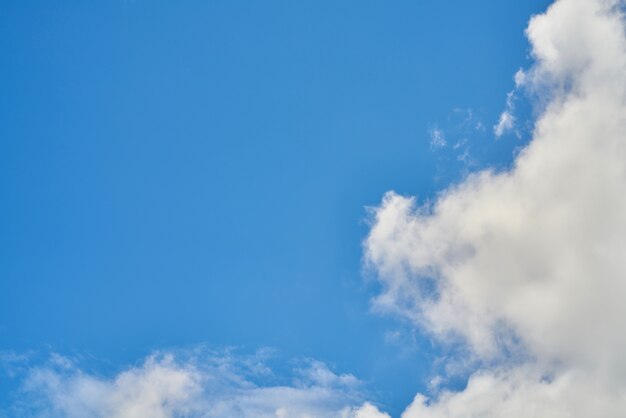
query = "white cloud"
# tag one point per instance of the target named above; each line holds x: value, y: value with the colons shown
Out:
x: 369, y: 411
x: 507, y: 120
x: 527, y: 267
x: 212, y: 386
x: 523, y: 392
x: 505, y: 123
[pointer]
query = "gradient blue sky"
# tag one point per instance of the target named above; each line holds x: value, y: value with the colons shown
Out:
x: 183, y: 173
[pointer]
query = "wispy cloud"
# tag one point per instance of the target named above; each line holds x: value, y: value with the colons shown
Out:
x: 437, y: 138
x: 507, y: 120
x: 192, y: 384
x: 525, y: 268
x: 457, y: 143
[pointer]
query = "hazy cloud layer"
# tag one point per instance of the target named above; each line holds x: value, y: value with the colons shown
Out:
x: 527, y: 267
x: 208, y: 385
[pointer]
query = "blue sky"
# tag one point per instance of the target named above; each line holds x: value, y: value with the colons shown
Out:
x: 184, y: 173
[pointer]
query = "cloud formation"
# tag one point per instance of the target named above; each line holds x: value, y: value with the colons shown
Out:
x: 202, y: 385
x: 506, y: 122
x: 525, y: 268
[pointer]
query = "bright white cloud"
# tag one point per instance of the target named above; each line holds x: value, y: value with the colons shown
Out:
x: 369, y: 411
x: 526, y: 267
x: 206, y: 386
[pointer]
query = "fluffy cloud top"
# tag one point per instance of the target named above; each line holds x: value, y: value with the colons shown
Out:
x: 526, y: 267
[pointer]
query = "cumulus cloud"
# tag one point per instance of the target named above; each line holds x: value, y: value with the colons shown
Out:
x: 525, y: 268
x: 192, y: 386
